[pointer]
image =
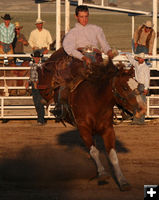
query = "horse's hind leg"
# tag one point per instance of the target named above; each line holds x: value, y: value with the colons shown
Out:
x: 109, y: 141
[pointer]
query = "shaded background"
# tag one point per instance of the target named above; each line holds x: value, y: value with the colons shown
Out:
x: 117, y: 27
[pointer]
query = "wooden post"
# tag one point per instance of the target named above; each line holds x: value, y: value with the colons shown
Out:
x: 154, y: 64
x: 58, y: 24
x: 39, y: 11
x: 67, y: 16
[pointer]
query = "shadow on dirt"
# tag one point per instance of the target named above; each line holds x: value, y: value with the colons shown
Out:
x: 73, y: 139
x: 43, y: 172
x: 70, y: 160
x: 46, y: 163
x: 35, y: 170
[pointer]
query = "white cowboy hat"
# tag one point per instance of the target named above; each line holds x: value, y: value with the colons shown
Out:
x: 17, y: 25
x: 141, y: 55
x: 39, y: 21
x: 148, y: 24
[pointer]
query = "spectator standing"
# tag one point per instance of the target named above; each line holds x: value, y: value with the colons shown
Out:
x: 144, y: 38
x: 19, y: 40
x: 40, y: 38
x: 142, y: 75
x: 7, y: 35
x: 33, y: 81
x: 85, y: 35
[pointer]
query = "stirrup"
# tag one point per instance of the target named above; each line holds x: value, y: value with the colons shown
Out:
x: 57, y: 111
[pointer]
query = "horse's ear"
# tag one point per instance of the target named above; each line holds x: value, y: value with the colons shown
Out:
x: 131, y: 72
x: 121, y: 67
x: 111, y: 68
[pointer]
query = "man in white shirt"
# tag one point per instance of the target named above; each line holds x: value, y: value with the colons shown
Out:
x: 142, y: 75
x: 85, y: 35
x: 40, y: 38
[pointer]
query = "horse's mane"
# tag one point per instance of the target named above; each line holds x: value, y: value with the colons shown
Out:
x: 69, y: 69
x: 102, y: 71
x: 60, y: 53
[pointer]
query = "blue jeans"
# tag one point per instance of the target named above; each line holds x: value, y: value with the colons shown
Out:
x: 142, y: 118
x: 139, y: 49
x: 38, y: 105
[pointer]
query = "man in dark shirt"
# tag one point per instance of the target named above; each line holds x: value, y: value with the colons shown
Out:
x: 33, y: 81
x: 19, y: 41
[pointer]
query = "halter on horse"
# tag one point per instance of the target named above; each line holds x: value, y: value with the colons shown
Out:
x: 91, y: 105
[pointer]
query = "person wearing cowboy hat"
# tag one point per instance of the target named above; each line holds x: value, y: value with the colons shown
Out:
x: 142, y: 75
x: 144, y: 38
x: 40, y: 38
x: 33, y: 82
x: 7, y: 35
x: 19, y: 40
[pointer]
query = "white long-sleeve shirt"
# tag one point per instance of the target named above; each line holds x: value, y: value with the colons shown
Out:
x: 142, y: 72
x: 40, y: 39
x: 84, y: 36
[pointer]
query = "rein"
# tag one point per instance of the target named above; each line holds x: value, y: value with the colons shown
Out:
x: 48, y: 62
x: 118, y: 95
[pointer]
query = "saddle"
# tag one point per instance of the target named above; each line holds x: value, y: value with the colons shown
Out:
x: 93, y: 53
x: 66, y: 72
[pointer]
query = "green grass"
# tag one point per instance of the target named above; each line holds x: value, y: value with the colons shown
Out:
x: 117, y: 27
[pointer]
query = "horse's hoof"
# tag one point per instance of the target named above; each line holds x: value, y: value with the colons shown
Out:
x: 103, y: 179
x: 125, y: 187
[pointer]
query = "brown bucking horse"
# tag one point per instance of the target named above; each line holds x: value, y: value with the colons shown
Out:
x: 91, y: 103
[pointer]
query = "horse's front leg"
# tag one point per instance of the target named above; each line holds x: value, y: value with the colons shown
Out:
x: 86, y: 135
x: 102, y: 174
x: 109, y: 141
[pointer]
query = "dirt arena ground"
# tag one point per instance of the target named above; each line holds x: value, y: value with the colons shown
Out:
x: 51, y: 162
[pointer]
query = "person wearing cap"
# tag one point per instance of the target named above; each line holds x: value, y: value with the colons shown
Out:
x: 19, y: 40
x: 85, y: 36
x: 33, y: 82
x: 7, y: 35
x: 142, y: 75
x: 144, y: 38
x: 40, y: 38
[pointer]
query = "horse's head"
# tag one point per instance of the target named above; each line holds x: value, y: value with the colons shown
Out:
x: 126, y: 93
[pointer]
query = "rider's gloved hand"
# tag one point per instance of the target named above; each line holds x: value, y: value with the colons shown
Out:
x: 87, y: 60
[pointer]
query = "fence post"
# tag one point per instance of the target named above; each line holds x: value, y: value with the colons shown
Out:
x: 58, y: 24
x: 154, y: 63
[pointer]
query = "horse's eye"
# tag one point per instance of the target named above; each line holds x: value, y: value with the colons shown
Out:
x: 125, y: 88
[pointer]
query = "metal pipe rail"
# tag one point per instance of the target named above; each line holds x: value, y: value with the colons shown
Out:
x: 13, y: 78
x: 14, y: 68
x: 29, y: 108
x: 27, y: 55
x: 151, y: 109
x: 26, y: 78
